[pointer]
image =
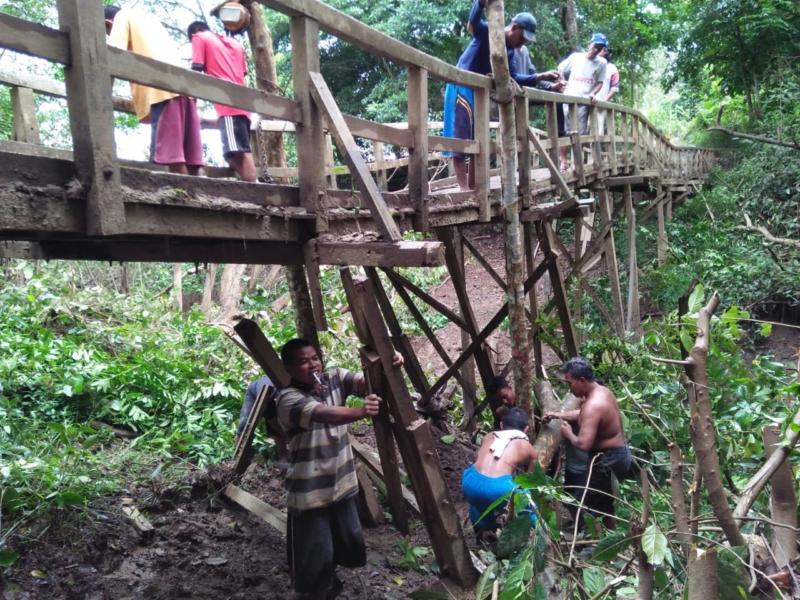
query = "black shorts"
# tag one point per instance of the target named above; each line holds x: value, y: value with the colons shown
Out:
x: 319, y: 539
x: 235, y: 132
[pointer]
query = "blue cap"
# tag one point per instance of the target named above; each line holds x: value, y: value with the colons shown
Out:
x: 528, y: 23
x: 598, y: 39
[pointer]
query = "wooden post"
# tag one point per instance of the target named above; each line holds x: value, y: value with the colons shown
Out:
x: 91, y: 115
x: 315, y: 286
x: 577, y: 147
x: 594, y: 129
x: 419, y: 455
x: 607, y: 210
x: 482, y: 135
x: 578, y: 247
x: 611, y: 120
x: 454, y: 257
x: 545, y: 234
x: 23, y: 104
x: 530, y: 263
x: 418, y: 154
x: 303, y: 308
x: 383, y: 428
x: 515, y: 255
x: 310, y: 135
x: 330, y: 164
x: 633, y: 320
x: 552, y: 133
x: 524, y: 150
x: 380, y: 166
x: 467, y: 375
x: 626, y: 159
x: 662, y: 232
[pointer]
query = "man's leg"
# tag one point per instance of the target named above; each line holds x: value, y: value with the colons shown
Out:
x: 234, y: 131
x: 309, y: 546
x: 243, y: 164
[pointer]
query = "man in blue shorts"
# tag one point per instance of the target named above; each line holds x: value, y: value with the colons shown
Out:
x: 459, y: 101
x: 502, y: 454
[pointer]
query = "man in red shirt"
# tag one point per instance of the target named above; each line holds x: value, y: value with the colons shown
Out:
x: 223, y: 57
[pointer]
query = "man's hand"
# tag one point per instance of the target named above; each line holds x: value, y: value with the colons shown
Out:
x: 550, y: 76
x: 559, y: 86
x: 372, y: 405
x: 549, y: 416
x: 592, y: 98
x: 566, y: 432
x: 398, y: 360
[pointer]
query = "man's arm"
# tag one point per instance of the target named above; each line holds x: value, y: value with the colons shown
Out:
x: 342, y: 415
x: 613, y: 86
x: 590, y: 422
x: 571, y: 416
x: 477, y: 25
x: 198, y: 54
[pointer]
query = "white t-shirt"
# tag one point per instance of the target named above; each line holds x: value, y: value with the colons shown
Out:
x: 611, y: 82
x: 583, y: 74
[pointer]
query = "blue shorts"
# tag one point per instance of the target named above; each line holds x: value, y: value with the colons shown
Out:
x: 481, y: 492
x: 459, y: 120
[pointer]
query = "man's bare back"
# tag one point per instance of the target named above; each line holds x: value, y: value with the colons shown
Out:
x: 601, y: 406
x: 518, y: 455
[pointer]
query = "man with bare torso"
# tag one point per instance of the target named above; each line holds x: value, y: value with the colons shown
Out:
x: 502, y: 454
x: 599, y: 433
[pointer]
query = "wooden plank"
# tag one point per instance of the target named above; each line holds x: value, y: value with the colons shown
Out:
x: 379, y: 166
x: 612, y: 267
x: 523, y: 150
x: 611, y: 120
x: 352, y: 156
x: 426, y: 298
x: 352, y: 31
x: 137, y: 519
x: 437, y: 143
x: 555, y: 173
x: 269, y: 514
x: 546, y: 234
x: 23, y: 105
x: 373, y: 464
x: 371, y: 130
x: 91, y: 116
x: 368, y: 498
x: 33, y: 39
x: 310, y: 136
x: 311, y: 262
x: 482, y: 160
x: 380, y: 254
x: 419, y: 456
x: 243, y: 451
x: 418, y: 157
x: 262, y: 351
x: 552, y: 136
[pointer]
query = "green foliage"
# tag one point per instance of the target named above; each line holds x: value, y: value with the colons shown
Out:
x: 413, y: 557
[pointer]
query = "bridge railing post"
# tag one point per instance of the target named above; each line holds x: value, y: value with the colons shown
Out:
x: 626, y: 157
x: 577, y: 147
x: 91, y: 115
x: 611, y: 121
x: 482, y: 159
x: 309, y: 134
x: 523, y: 149
x: 594, y: 130
x: 418, y: 153
x: 553, y: 132
x: 23, y: 105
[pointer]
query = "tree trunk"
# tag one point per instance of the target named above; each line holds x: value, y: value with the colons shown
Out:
x: 177, y: 285
x: 208, y: 288
x: 256, y: 272
x: 702, y: 428
x: 124, y: 280
x: 569, y: 23
x: 515, y: 254
x: 678, y: 498
x: 647, y: 572
x: 230, y: 289
x: 783, y: 503
x: 702, y: 575
x: 548, y: 440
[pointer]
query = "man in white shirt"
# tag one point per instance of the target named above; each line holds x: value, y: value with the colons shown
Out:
x: 584, y: 73
x: 609, y: 90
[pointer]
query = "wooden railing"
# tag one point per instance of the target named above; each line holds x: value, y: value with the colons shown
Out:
x: 631, y: 143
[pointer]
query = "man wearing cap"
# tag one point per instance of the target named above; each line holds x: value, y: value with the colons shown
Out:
x: 584, y: 72
x: 459, y: 101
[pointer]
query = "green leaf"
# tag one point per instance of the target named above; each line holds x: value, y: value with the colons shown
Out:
x: 514, y: 537
x: 483, y: 588
x: 594, y: 580
x: 69, y: 498
x: 696, y: 298
x: 448, y: 438
x: 766, y: 329
x: 7, y: 558
x: 654, y: 545
x: 534, y: 479
x: 611, y: 545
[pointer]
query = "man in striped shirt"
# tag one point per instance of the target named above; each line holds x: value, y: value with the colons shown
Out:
x: 323, y: 526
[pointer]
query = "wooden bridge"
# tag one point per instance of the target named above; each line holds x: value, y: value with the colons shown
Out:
x: 88, y: 204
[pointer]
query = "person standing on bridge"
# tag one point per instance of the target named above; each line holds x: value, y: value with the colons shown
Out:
x: 609, y: 90
x: 600, y: 434
x: 584, y: 72
x: 459, y: 101
x: 223, y: 56
x: 175, y: 139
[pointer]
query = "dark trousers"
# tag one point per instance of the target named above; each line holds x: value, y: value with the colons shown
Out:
x: 319, y: 539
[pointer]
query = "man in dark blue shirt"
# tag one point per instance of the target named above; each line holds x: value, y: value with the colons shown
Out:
x: 459, y: 100
x: 270, y: 414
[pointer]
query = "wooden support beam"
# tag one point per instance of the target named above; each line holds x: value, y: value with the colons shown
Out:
x: 310, y: 135
x: 419, y: 456
x: 373, y: 463
x: 454, y: 256
x: 555, y: 174
x: 368, y: 498
x: 662, y: 244
x: 23, y: 105
x: 269, y: 514
x: 552, y: 138
x: 370, y: 361
x: 352, y: 156
x: 546, y: 235
x: 243, y: 452
x: 523, y: 150
x: 418, y: 153
x: 380, y: 254
x: 262, y: 351
x: 482, y: 159
x: 426, y: 298
x: 530, y: 264
x: 612, y: 267
x: 91, y: 115
x: 633, y: 320
x: 311, y: 261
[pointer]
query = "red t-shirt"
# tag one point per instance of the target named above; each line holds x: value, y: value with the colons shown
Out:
x: 223, y: 57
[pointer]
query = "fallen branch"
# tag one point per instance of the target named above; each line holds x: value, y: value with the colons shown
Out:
x: 756, y: 138
x: 766, y: 233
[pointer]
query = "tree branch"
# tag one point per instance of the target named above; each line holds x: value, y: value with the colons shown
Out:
x: 756, y: 138
x: 767, y: 235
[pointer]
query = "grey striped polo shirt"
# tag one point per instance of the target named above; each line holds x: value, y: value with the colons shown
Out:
x: 321, y: 469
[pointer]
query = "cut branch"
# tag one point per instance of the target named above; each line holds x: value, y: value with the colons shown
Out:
x: 766, y: 233
x: 756, y: 138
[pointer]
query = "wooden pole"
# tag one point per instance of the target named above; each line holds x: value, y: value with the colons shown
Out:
x: 418, y: 154
x: 662, y: 232
x: 23, y: 105
x: 510, y: 202
x: 633, y: 322
x: 546, y: 235
x: 610, y: 252
x: 481, y: 159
